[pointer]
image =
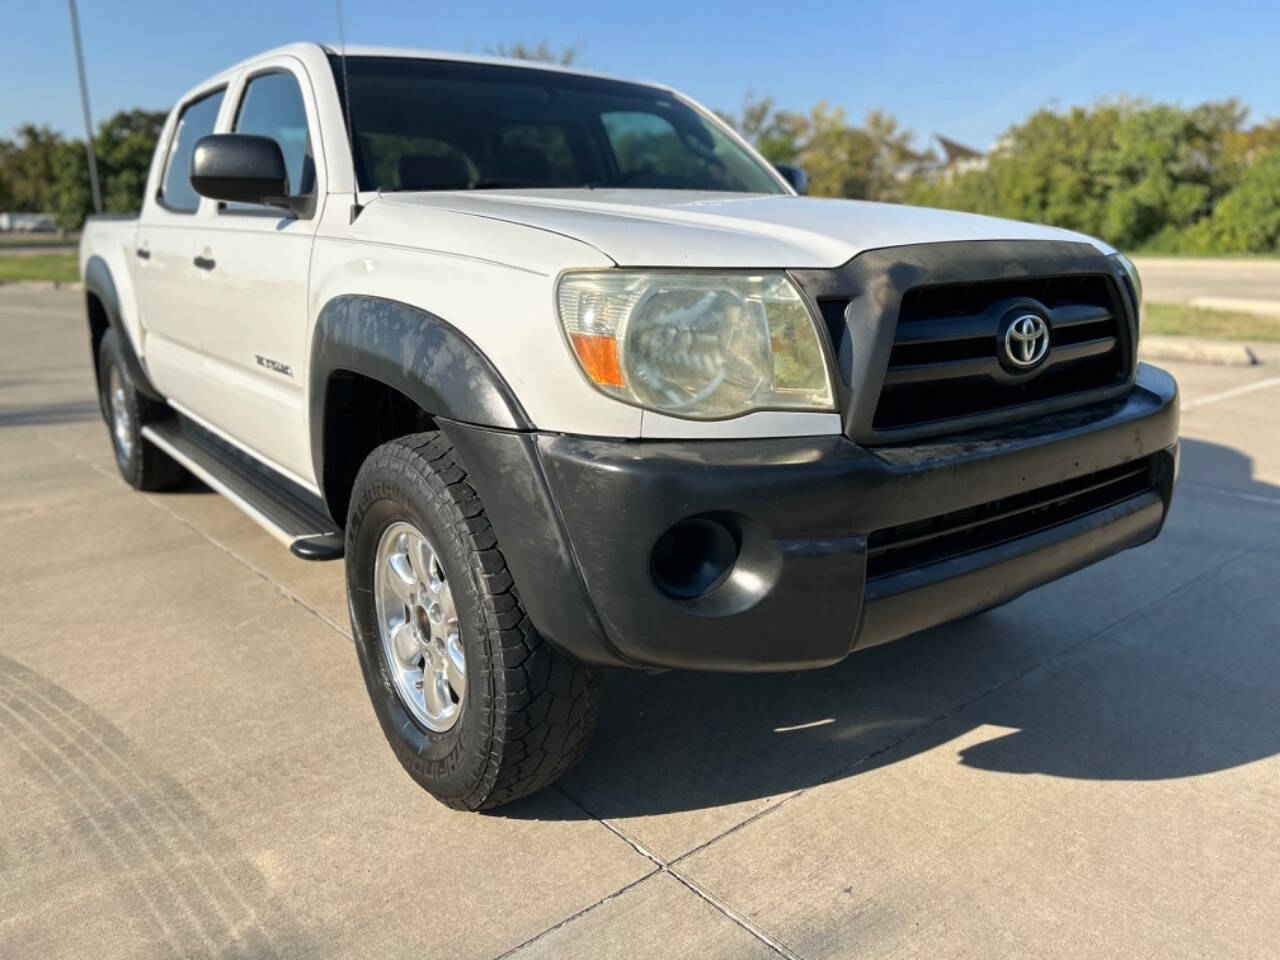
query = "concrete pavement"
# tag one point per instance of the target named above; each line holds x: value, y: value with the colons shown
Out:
x: 189, y: 766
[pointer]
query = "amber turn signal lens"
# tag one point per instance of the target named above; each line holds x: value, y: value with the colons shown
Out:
x: 599, y: 358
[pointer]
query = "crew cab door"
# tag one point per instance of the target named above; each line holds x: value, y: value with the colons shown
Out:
x: 253, y: 266
x: 164, y: 275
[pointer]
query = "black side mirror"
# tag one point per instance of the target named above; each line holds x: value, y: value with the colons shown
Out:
x: 240, y: 168
x: 794, y: 175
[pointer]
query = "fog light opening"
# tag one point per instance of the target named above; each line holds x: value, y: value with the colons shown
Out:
x: 694, y: 557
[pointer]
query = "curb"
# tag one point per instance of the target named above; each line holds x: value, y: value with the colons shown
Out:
x: 1222, y: 353
x: 41, y: 285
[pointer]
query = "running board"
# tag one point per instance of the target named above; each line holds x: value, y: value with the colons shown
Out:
x: 292, y: 514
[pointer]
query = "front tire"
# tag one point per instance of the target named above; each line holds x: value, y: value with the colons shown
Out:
x: 478, y: 708
x: 143, y: 465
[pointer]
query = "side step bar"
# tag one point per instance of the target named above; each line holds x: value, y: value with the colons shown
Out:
x: 292, y: 514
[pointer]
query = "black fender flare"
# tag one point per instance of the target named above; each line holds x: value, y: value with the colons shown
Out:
x: 99, y: 282
x: 413, y: 351
x: 440, y: 369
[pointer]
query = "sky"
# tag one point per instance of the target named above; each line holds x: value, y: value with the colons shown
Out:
x: 965, y: 70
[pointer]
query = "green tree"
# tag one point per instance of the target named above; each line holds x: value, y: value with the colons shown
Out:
x: 1246, y: 220
x: 6, y: 179
x: 874, y: 161
x: 1170, y: 166
x: 125, y: 143
x: 28, y: 168
x: 894, y: 161
x: 1045, y: 169
x: 70, y: 199
x: 836, y: 155
x: 779, y: 135
x: 1245, y: 146
x: 1134, y: 173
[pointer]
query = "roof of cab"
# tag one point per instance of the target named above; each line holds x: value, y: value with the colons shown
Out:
x: 307, y: 51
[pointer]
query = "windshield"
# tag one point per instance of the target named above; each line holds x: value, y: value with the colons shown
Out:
x: 443, y: 125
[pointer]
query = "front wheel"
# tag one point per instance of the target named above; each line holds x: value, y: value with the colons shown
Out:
x: 478, y: 708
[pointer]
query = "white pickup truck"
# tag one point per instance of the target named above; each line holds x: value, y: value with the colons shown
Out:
x: 573, y: 378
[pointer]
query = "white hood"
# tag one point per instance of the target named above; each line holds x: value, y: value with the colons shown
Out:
x: 680, y: 228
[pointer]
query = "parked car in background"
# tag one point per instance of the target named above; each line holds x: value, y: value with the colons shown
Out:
x: 27, y: 223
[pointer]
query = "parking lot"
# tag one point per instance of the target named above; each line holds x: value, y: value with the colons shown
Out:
x: 189, y: 765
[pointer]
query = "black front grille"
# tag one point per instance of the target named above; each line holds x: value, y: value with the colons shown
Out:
x: 945, y: 363
x: 894, y: 549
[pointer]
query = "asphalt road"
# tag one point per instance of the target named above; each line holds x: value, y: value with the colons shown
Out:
x: 1221, y: 281
x: 189, y: 766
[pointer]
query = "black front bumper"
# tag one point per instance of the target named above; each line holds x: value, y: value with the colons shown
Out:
x: 578, y: 520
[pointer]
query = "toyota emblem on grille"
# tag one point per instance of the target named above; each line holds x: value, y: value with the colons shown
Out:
x: 1026, y: 341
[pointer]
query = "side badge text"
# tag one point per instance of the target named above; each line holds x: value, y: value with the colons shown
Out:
x: 274, y: 365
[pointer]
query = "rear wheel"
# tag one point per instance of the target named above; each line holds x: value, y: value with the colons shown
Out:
x: 143, y: 465
x: 478, y: 708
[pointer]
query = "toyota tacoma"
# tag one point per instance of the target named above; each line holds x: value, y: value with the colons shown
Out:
x: 574, y: 379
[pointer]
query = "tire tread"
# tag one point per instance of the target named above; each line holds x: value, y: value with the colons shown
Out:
x: 150, y: 468
x: 546, y: 705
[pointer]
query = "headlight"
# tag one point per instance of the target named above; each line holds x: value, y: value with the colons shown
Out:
x: 699, y: 345
x: 1127, y: 266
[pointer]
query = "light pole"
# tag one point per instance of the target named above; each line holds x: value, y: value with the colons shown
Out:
x: 88, y: 121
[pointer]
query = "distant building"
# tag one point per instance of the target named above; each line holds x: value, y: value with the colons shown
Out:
x: 956, y: 158
x: 959, y: 158
x: 27, y: 223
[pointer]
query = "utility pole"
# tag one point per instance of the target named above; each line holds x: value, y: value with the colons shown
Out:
x: 88, y: 120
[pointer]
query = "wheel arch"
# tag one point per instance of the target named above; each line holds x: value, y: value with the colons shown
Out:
x: 102, y: 307
x: 401, y: 364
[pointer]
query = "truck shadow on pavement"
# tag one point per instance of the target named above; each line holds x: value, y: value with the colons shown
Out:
x: 1160, y: 663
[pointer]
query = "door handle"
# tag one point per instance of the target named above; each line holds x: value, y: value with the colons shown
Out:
x: 142, y: 254
x: 205, y: 263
